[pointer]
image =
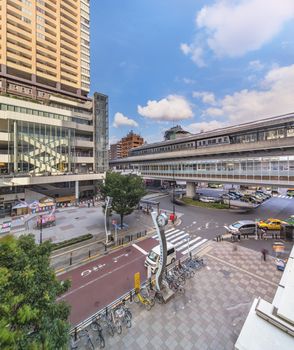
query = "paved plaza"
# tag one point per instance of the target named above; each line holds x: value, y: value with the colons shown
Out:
x: 213, y: 309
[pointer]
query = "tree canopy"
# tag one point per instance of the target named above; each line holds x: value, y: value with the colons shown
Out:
x: 126, y: 192
x: 30, y: 317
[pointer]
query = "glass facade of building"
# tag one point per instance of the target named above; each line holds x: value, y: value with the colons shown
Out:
x: 278, y: 169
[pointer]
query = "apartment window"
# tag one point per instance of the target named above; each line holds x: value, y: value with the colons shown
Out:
x: 41, y: 2
x: 26, y: 20
x: 41, y: 36
x: 40, y: 19
x: 85, y: 71
x: 26, y: 2
x: 40, y: 10
x: 26, y: 11
x: 40, y: 26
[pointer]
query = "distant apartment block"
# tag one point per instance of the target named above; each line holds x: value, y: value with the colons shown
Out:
x: 53, y: 137
x: 122, y: 148
x: 115, y: 151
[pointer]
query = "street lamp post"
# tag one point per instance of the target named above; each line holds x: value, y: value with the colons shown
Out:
x: 41, y: 229
x: 107, y: 206
x: 174, y: 185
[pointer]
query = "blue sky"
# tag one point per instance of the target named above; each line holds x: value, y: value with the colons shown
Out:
x: 200, y: 64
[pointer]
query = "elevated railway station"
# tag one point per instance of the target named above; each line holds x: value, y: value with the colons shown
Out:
x: 257, y: 153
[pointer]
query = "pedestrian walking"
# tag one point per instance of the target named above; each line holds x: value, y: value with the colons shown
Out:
x: 264, y: 253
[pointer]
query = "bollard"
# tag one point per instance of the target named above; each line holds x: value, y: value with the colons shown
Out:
x: 131, y: 296
x: 70, y: 259
x: 145, y: 232
x: 76, y: 334
x: 106, y: 311
x: 89, y: 253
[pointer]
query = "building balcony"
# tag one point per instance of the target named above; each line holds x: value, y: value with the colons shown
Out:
x: 26, y: 180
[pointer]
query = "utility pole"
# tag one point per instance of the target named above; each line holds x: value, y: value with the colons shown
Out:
x: 41, y: 229
x: 174, y: 185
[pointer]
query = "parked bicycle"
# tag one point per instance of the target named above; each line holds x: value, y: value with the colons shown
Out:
x: 143, y: 298
x: 76, y: 343
x: 95, y: 326
x: 123, y: 315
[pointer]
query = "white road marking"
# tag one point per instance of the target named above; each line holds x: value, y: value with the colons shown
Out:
x: 179, y: 238
x: 140, y: 249
x: 194, y: 222
x: 206, y: 225
x: 189, y: 244
x: 172, y: 233
x: 176, y: 235
x: 194, y: 246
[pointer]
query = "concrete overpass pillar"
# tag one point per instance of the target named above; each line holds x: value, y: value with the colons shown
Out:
x: 77, y: 191
x: 190, y: 189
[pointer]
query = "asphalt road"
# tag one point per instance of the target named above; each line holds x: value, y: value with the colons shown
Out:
x: 211, y: 222
x: 100, y: 282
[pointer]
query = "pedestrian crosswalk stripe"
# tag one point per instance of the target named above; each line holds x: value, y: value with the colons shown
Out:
x: 188, y: 244
x: 176, y: 235
x: 169, y: 232
x: 179, y: 238
x: 172, y: 233
x: 194, y: 246
x: 280, y: 196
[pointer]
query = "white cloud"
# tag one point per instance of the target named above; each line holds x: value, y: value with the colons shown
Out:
x: 195, y: 52
x: 274, y: 97
x: 189, y: 81
x: 121, y: 120
x: 195, y: 128
x: 173, y: 107
x: 234, y: 27
x: 206, y: 97
x: 256, y: 65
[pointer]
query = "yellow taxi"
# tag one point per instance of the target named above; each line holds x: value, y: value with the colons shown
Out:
x: 270, y: 224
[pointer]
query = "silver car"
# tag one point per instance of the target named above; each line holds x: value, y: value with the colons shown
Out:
x: 244, y: 227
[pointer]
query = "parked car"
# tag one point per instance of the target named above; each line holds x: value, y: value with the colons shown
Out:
x: 266, y: 194
x: 271, y: 224
x: 207, y: 199
x: 229, y: 196
x: 247, y: 227
x: 290, y: 192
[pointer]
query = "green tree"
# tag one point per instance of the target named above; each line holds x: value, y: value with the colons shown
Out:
x: 30, y: 316
x: 126, y: 192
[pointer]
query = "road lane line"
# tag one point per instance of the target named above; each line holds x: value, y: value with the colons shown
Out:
x: 96, y: 279
x: 140, y: 249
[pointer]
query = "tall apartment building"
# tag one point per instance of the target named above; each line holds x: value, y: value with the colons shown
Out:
x: 115, y: 151
x: 121, y: 149
x: 132, y: 140
x: 49, y: 127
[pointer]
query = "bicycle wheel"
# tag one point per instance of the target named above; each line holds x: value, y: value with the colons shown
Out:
x: 94, y: 326
x: 159, y: 298
x: 181, y: 281
x: 101, y: 342
x: 118, y: 327
x: 192, y: 273
x: 90, y: 344
x: 148, y: 306
x: 110, y: 329
x: 128, y: 313
x: 128, y: 323
x: 152, y: 301
x: 136, y: 298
